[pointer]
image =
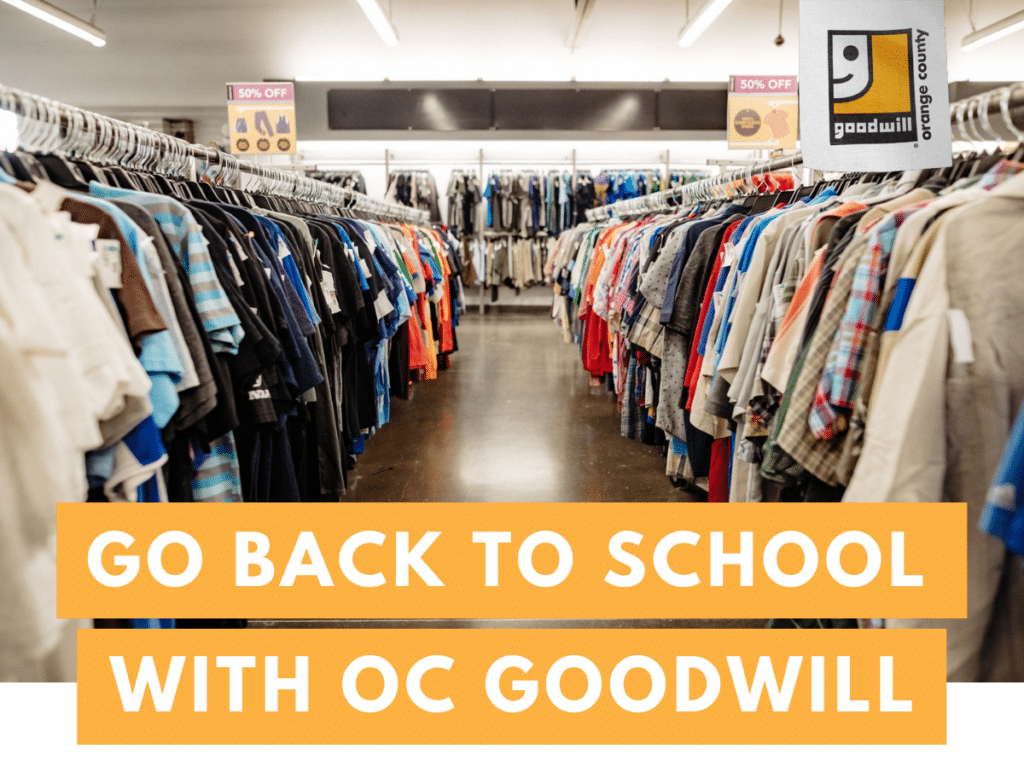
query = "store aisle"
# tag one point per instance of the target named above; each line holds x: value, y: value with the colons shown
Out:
x: 513, y: 420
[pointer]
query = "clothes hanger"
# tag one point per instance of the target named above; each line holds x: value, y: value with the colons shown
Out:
x: 763, y: 201
x: 962, y: 165
x: 26, y: 166
x: 1005, y: 95
x: 782, y: 196
x: 81, y: 141
x: 752, y: 190
x: 129, y: 159
x: 989, y: 159
x: 143, y: 160
x: 52, y: 148
x: 110, y: 143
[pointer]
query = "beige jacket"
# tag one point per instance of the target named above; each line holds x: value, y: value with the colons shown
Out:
x: 945, y: 405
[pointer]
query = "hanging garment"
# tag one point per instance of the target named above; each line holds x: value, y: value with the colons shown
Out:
x: 853, y: 344
x: 185, y: 343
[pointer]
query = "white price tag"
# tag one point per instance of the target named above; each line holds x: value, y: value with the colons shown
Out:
x: 61, y: 219
x: 363, y: 266
x: 960, y: 338
x: 330, y: 292
x: 108, y: 263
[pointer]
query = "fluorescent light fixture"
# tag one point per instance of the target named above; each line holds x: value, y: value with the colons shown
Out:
x: 701, y: 21
x: 60, y: 18
x: 380, y: 21
x: 993, y: 32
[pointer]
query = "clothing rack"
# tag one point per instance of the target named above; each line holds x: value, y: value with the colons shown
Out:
x: 970, y: 119
x: 51, y: 127
x: 695, y: 192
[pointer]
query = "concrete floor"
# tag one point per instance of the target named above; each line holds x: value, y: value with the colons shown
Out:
x: 513, y: 420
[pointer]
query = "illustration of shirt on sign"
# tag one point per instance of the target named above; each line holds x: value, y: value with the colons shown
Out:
x: 778, y: 123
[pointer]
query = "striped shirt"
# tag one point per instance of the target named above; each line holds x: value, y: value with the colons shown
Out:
x: 216, y: 475
x: 219, y: 319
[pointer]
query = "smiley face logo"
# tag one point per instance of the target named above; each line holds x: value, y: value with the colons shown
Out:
x: 871, y: 87
x: 852, y: 72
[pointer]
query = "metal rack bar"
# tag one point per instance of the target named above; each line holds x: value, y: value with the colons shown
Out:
x: 48, y: 126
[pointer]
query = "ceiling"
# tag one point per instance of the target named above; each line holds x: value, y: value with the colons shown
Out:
x: 176, y: 55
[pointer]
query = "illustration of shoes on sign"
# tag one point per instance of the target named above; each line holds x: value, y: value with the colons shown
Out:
x: 283, y: 127
x: 261, y: 120
x: 241, y: 126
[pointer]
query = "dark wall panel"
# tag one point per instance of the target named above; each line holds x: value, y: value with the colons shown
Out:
x: 534, y: 109
x: 598, y: 110
x: 409, y: 109
x: 692, y: 109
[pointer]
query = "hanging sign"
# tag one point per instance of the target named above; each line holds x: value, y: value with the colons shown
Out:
x: 873, y: 85
x: 763, y: 112
x: 261, y: 118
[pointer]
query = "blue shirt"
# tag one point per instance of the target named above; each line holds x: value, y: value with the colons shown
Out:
x: 158, y: 356
x: 1003, y: 514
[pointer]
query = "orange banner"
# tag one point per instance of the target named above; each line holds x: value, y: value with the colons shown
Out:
x: 512, y: 687
x: 511, y: 561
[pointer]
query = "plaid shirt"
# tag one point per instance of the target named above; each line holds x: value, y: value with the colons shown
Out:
x: 793, y: 447
x: 646, y: 331
x: 835, y: 393
x: 792, y: 434
x: 633, y: 416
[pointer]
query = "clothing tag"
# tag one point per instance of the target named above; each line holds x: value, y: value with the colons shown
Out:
x: 960, y: 337
x: 60, y: 219
x: 330, y: 292
x: 282, y: 249
x: 364, y: 267
x: 234, y: 271
x: 370, y: 242
x: 83, y: 232
x: 108, y: 263
x: 239, y: 250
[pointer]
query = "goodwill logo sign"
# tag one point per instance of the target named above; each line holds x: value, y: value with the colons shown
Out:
x: 873, y: 85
